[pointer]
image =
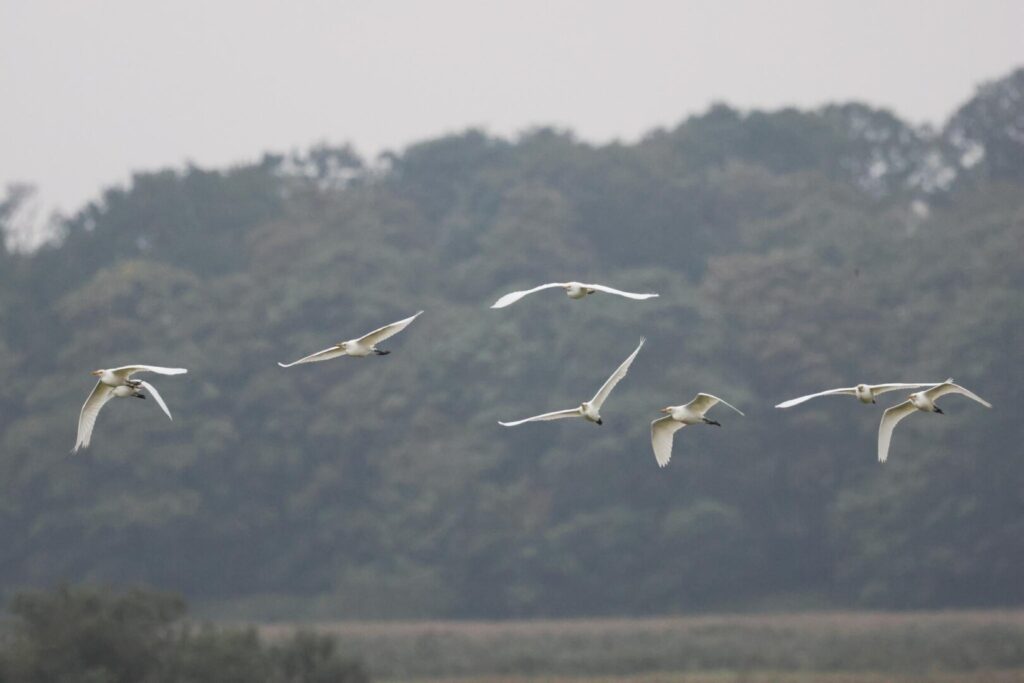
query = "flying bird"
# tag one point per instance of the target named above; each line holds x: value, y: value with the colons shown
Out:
x: 923, y: 401
x: 363, y: 346
x: 678, y: 417
x: 590, y: 410
x: 865, y: 393
x: 574, y: 290
x: 117, y: 383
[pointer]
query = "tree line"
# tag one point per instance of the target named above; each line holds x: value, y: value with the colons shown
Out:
x: 793, y: 250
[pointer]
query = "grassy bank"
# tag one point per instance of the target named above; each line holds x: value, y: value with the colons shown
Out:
x: 848, y: 647
x: 1015, y: 676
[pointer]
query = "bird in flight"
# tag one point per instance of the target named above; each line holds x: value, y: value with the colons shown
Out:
x: 678, y: 417
x: 589, y: 410
x: 920, y: 400
x: 117, y: 383
x: 574, y: 290
x: 360, y: 347
x: 865, y: 393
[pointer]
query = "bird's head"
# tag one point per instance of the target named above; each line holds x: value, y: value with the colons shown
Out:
x: 343, y: 345
x: 862, y: 387
x: 96, y: 373
x: 665, y: 410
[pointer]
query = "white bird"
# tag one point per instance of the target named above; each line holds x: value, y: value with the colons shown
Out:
x: 923, y: 401
x: 363, y: 346
x: 117, y: 383
x: 865, y: 393
x: 678, y: 417
x: 591, y: 410
x: 574, y: 290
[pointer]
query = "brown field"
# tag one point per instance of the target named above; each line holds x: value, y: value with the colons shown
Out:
x: 757, y: 677
x: 831, y: 647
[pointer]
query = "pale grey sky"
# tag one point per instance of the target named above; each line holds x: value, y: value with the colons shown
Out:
x: 93, y: 89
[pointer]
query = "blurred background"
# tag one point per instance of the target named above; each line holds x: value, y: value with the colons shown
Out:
x: 823, y: 194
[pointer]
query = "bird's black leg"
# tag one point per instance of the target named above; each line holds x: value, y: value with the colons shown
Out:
x: 381, y: 352
x: 712, y: 422
x: 938, y: 410
x: 600, y: 421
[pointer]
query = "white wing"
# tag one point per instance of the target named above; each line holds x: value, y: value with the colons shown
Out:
x: 628, y: 295
x: 889, y: 420
x: 101, y: 393
x: 948, y: 387
x: 662, y: 430
x: 129, y: 370
x: 883, y: 388
x: 387, y: 331
x: 557, y: 415
x: 513, y: 297
x: 326, y: 354
x: 156, y: 397
x: 851, y: 391
x: 602, y: 393
x: 704, y: 402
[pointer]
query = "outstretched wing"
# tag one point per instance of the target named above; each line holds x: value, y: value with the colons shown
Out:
x: 126, y: 371
x: 628, y: 295
x: 156, y: 397
x: 948, y: 387
x: 704, y: 402
x: 602, y: 393
x: 845, y: 391
x: 387, y: 331
x: 662, y: 430
x: 890, y: 418
x: 326, y: 354
x: 101, y: 393
x: 557, y: 415
x: 513, y: 297
x: 883, y: 388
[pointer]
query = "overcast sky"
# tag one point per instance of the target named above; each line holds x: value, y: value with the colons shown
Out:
x: 91, y: 90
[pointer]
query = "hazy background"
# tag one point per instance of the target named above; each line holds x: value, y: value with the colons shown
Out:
x: 822, y: 195
x: 94, y: 90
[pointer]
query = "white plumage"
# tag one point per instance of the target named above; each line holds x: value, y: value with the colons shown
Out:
x: 923, y: 401
x: 865, y: 393
x: 663, y: 429
x: 574, y: 290
x: 360, y: 347
x: 117, y: 383
x: 590, y: 410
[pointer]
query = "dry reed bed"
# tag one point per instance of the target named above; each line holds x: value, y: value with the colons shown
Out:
x: 909, y: 643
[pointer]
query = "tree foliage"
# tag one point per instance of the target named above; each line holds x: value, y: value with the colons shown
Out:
x: 83, y: 634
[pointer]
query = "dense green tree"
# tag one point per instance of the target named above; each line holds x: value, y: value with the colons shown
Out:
x: 85, y: 634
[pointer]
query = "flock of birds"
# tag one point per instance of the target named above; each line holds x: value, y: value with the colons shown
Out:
x: 118, y: 383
